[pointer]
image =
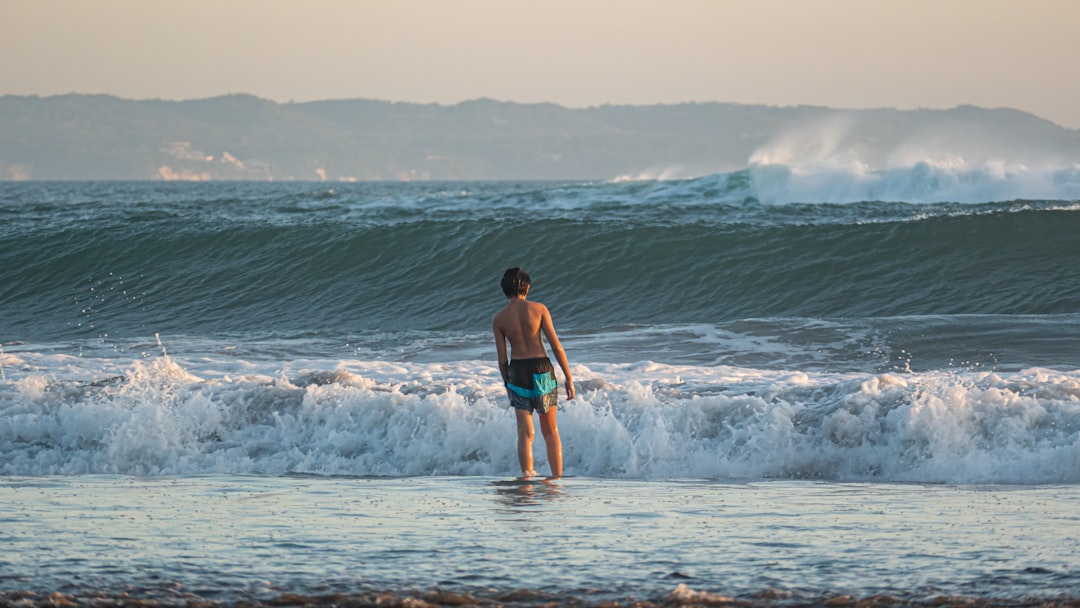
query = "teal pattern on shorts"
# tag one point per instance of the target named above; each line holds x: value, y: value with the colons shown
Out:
x: 532, y: 385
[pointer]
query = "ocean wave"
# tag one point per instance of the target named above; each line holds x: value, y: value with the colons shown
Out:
x: 644, y: 420
x: 950, y: 180
x: 199, y: 276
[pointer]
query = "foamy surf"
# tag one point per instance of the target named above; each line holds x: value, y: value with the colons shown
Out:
x: 166, y: 416
x: 773, y: 182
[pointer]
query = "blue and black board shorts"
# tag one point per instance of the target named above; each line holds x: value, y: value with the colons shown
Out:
x: 532, y: 384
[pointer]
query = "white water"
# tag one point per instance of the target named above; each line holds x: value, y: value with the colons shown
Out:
x: 160, y: 415
x: 929, y: 181
x: 949, y: 180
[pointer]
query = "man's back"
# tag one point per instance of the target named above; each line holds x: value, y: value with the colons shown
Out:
x: 521, y: 322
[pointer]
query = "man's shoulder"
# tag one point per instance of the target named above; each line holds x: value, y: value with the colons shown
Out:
x: 539, y: 310
x: 502, y: 313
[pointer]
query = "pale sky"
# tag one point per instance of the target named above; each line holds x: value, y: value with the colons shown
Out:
x: 1023, y: 54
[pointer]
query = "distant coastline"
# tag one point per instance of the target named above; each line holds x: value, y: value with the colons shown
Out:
x: 243, y: 137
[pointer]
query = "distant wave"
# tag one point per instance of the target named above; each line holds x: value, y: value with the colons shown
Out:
x: 952, y: 180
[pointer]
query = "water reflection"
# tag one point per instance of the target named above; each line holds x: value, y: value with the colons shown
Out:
x: 526, y: 491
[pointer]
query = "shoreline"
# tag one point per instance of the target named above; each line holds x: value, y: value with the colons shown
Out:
x: 241, y: 541
x: 681, y: 595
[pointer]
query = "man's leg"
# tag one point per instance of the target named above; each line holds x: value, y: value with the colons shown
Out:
x: 550, y: 430
x: 525, y: 435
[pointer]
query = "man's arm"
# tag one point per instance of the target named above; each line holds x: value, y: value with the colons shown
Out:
x: 500, y: 350
x: 556, y: 349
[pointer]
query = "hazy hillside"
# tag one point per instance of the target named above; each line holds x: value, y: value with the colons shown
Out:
x: 244, y: 137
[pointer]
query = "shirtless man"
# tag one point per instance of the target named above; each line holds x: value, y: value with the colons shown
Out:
x: 527, y: 373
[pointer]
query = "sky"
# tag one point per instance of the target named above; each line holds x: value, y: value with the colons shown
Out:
x: 839, y: 53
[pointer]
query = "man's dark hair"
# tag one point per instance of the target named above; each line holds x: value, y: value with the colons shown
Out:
x: 515, y: 282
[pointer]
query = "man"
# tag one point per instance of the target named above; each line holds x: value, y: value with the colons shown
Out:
x: 527, y: 373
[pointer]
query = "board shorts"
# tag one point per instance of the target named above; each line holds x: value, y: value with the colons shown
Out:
x: 532, y: 385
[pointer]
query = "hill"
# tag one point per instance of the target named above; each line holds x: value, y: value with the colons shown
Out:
x: 76, y: 137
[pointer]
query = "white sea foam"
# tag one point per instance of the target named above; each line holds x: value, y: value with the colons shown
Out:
x: 827, y: 161
x: 928, y: 181
x: 833, y: 181
x: 642, y: 420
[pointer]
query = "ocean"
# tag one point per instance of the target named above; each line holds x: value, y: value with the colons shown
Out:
x: 795, y: 386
